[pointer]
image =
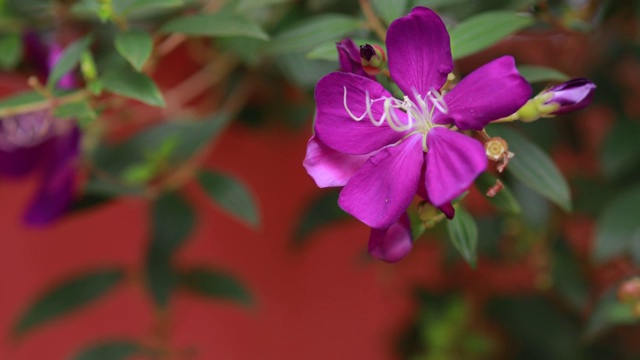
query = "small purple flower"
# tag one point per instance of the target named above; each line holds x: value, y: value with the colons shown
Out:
x: 411, y: 144
x: 349, y: 58
x: 572, y: 95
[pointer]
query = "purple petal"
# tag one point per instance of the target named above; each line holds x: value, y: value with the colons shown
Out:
x: 491, y: 92
x: 349, y: 57
x: 572, y: 95
x: 392, y: 244
x: 419, y: 52
x: 383, y: 188
x: 337, y: 129
x: 57, y: 189
x: 328, y: 167
x: 20, y: 161
x: 453, y: 161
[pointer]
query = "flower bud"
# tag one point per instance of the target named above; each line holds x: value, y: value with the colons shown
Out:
x: 572, y: 95
x: 349, y: 58
x: 373, y: 58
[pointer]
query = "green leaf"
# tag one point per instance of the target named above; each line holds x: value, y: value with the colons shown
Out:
x: 216, y: 25
x: 568, y: 279
x: 80, y: 110
x: 247, y: 5
x: 172, y: 221
x: 231, y: 195
x: 621, y: 149
x: 129, y: 83
x: 535, y: 74
x: 67, y: 297
x: 307, y: 34
x: 504, y: 200
x: 328, y: 51
x: 483, y: 30
x: 322, y: 211
x: 110, y: 350
x: 390, y: 10
x: 608, y: 312
x: 10, y: 50
x: 215, y: 284
x: 463, y: 233
x: 135, y: 46
x: 618, y: 228
x: 69, y: 60
x: 534, y: 167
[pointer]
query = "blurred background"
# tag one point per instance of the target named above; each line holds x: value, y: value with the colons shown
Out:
x: 183, y: 225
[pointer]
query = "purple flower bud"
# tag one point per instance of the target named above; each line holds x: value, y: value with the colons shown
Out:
x: 367, y: 52
x: 572, y: 95
x: 24, y: 130
x: 349, y: 57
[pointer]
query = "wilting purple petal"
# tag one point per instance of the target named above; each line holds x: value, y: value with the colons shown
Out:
x: 453, y: 161
x: 392, y: 244
x: 349, y: 57
x: 491, y: 92
x: 572, y: 95
x: 419, y: 52
x: 337, y: 129
x: 57, y: 188
x: 383, y: 188
x: 328, y: 167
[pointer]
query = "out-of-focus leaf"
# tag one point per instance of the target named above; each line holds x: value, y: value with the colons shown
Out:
x: 89, y: 201
x: 534, y: 167
x: 135, y: 46
x: 80, y: 110
x: 69, y: 60
x: 307, y: 34
x: 621, y: 149
x: 608, y: 312
x: 216, y: 25
x: 535, y: 74
x: 463, y: 233
x: 129, y: 83
x: 618, y: 227
x: 67, y: 297
x: 568, y: 279
x: 327, y: 51
x: 231, y: 195
x: 302, y: 71
x: 483, y: 30
x: 321, y: 212
x: 390, y: 10
x: 110, y: 350
x: 246, y: 5
x: 214, y: 284
x: 172, y: 221
x: 503, y: 200
x: 10, y: 50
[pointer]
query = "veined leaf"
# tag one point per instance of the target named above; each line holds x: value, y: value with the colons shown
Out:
x: 129, y: 83
x: 216, y: 25
x: 214, y: 284
x: 463, y: 233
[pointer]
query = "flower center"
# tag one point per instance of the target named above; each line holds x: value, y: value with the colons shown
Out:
x: 416, y: 115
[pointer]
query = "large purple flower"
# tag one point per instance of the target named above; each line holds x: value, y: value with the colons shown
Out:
x: 412, y: 145
x: 36, y: 140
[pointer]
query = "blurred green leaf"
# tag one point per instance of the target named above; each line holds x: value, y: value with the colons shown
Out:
x: 172, y: 220
x: 535, y: 74
x: 10, y: 50
x: 568, y: 279
x: 246, y: 5
x: 390, y: 10
x: 463, y: 233
x: 309, y: 33
x: 320, y: 212
x: 231, y: 195
x: 215, y: 284
x: 503, y: 200
x: 618, y: 228
x: 608, y: 312
x: 621, y: 149
x: 67, y: 297
x: 534, y: 167
x: 80, y: 110
x: 129, y: 83
x: 328, y: 51
x: 110, y: 350
x: 483, y: 30
x: 216, y: 25
x: 69, y: 60
x: 135, y: 46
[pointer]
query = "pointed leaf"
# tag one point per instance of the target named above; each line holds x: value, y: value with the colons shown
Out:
x: 69, y: 60
x: 129, y: 83
x: 67, y: 297
x: 215, y: 284
x: 463, y: 233
x: 618, y: 228
x: 216, y: 25
x: 535, y: 168
x: 135, y: 46
x: 231, y: 195
x: 307, y: 34
x: 483, y: 30
x: 10, y: 50
x: 110, y: 350
x: 503, y: 200
x: 320, y: 212
x: 535, y: 74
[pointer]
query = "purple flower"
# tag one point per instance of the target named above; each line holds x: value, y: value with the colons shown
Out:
x: 35, y: 140
x: 411, y: 144
x: 349, y: 58
x: 572, y: 95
